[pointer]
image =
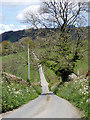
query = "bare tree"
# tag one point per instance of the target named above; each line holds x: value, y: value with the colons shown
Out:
x: 57, y: 14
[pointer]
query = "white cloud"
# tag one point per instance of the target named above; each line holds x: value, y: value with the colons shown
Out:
x: 83, y: 0
x: 5, y: 28
x: 20, y: 2
x: 33, y: 8
x: 20, y: 16
x: 28, y: 2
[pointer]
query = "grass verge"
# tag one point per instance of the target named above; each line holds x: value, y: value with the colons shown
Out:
x: 17, y: 91
x: 77, y: 93
x: 51, y: 78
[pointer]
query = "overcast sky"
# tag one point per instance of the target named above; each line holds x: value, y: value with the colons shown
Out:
x: 11, y: 12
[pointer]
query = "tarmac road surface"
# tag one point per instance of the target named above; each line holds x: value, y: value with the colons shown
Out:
x: 47, y: 105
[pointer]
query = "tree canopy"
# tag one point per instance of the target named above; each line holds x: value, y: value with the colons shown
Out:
x: 57, y: 14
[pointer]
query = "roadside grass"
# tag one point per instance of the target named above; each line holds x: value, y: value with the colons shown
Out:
x: 77, y: 93
x: 82, y: 65
x: 36, y: 75
x: 35, y: 69
x: 51, y: 78
x: 14, y: 92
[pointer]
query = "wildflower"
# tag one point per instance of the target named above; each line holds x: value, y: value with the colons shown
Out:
x: 27, y: 90
x: 17, y: 92
x: 75, y: 81
x: 9, y: 89
x: 20, y: 90
x: 33, y: 90
x: 8, y: 86
x: 82, y: 102
x: 13, y: 89
x: 87, y: 92
x: 11, y: 83
x: 87, y: 101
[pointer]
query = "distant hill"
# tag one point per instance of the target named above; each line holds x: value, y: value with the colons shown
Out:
x: 14, y: 36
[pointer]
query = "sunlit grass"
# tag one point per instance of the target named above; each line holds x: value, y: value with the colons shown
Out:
x: 14, y: 92
x: 77, y: 93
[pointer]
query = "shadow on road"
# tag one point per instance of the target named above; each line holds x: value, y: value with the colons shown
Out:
x: 47, y: 94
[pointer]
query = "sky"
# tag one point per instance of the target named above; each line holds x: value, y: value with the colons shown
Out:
x: 11, y: 13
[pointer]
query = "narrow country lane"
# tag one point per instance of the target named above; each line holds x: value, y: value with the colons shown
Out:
x: 44, y: 83
x: 45, y: 106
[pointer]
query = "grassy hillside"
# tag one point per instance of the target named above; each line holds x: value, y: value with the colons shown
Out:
x: 16, y: 88
x: 16, y: 64
x: 12, y: 36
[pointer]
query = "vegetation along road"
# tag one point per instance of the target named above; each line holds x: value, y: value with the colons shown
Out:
x: 47, y: 105
x: 58, y: 35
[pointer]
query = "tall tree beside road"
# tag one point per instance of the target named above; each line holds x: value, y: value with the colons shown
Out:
x: 62, y: 49
x: 57, y: 14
